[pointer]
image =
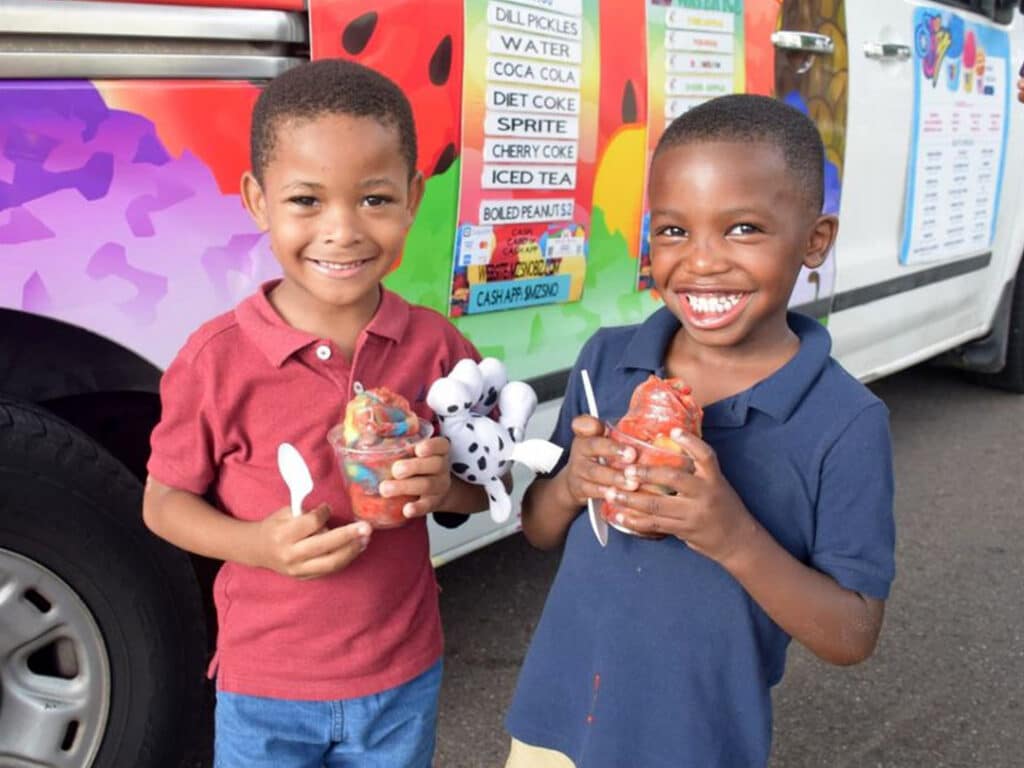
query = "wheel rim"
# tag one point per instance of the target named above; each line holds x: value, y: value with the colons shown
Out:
x: 54, y: 670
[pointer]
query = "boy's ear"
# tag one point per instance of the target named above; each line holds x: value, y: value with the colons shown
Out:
x: 822, y: 237
x: 416, y: 187
x: 254, y: 200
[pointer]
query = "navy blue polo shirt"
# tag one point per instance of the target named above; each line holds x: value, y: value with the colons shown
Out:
x: 648, y: 654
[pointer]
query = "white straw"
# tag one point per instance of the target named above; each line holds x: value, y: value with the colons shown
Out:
x: 597, y: 523
x: 589, y: 392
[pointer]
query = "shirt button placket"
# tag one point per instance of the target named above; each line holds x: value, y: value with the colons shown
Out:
x: 333, y: 366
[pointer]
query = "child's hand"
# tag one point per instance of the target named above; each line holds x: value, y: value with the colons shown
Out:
x: 1020, y: 88
x: 705, y: 511
x: 304, y: 547
x: 427, y: 476
x: 586, y: 477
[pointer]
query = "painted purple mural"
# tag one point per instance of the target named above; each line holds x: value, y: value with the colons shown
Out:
x: 103, y: 227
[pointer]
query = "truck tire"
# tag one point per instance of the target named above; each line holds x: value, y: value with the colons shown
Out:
x: 1011, y: 378
x: 102, y: 636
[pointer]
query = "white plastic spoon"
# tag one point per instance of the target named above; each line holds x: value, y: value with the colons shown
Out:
x: 598, y: 523
x: 296, y: 475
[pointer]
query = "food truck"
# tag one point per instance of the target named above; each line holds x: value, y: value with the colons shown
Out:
x: 123, y: 135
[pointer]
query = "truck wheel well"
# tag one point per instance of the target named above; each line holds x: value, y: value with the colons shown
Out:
x: 45, y: 359
x: 99, y: 386
x: 119, y: 421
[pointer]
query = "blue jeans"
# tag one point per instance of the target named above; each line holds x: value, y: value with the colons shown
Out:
x: 392, y: 729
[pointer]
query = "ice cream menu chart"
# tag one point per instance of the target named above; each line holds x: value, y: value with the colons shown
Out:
x: 695, y: 52
x: 529, y: 126
x: 961, y: 89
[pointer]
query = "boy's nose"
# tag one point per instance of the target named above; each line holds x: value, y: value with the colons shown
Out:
x: 705, y: 257
x: 340, y: 227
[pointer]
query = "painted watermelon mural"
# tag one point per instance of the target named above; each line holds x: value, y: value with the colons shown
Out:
x: 621, y: 115
x: 419, y: 46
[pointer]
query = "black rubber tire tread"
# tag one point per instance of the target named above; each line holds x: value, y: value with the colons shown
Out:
x: 69, y: 505
x: 1011, y: 378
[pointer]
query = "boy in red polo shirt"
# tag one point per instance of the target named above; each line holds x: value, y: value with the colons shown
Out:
x: 329, y: 642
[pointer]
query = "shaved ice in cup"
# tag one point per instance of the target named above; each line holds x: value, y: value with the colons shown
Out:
x: 656, y: 409
x: 379, y: 429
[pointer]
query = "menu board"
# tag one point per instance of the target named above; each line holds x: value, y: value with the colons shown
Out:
x: 529, y: 135
x: 695, y: 52
x: 961, y: 99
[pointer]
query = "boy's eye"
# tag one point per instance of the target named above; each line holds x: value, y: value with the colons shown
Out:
x: 745, y: 229
x: 303, y: 201
x: 670, y: 231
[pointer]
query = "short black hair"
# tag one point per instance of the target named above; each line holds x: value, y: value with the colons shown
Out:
x: 746, y: 117
x: 329, y: 87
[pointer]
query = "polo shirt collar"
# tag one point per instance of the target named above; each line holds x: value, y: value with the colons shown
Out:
x: 781, y: 393
x: 278, y: 341
x: 777, y: 396
x: 646, y: 349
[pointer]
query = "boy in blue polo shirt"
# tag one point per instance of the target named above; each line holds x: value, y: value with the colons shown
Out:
x: 662, y: 651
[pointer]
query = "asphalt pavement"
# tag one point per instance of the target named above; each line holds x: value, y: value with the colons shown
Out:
x: 944, y: 689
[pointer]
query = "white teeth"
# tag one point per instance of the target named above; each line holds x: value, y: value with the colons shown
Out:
x: 334, y: 267
x: 717, y: 303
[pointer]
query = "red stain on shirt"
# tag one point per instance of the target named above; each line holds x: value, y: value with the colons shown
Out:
x: 593, y: 698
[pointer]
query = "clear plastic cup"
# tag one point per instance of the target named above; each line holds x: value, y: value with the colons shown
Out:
x: 647, y: 455
x: 365, y: 468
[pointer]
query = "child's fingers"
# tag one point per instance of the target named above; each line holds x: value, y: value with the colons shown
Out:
x: 319, y: 515
x: 703, y: 455
x: 649, y: 525
x: 649, y: 513
x: 679, y: 479
x: 327, y: 541
x: 592, y: 443
x: 418, y: 485
x: 422, y: 506
x: 332, y: 561
x: 587, y: 426
x: 602, y: 476
x: 604, y: 449
x: 292, y: 529
x: 285, y: 513
x: 590, y: 478
x: 433, y: 464
x: 434, y: 446
x: 281, y: 514
x: 652, y: 504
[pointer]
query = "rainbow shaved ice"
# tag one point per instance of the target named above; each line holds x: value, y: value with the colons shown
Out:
x: 377, y: 415
x: 379, y: 429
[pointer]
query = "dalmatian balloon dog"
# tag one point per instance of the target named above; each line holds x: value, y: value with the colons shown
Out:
x: 482, y: 449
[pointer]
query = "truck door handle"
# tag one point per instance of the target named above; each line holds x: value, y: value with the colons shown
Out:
x: 807, y: 42
x: 887, y: 51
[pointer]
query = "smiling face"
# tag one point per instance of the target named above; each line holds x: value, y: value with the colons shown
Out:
x: 730, y: 229
x: 337, y: 201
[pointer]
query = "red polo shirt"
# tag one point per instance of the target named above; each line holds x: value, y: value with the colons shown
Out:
x: 245, y: 382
